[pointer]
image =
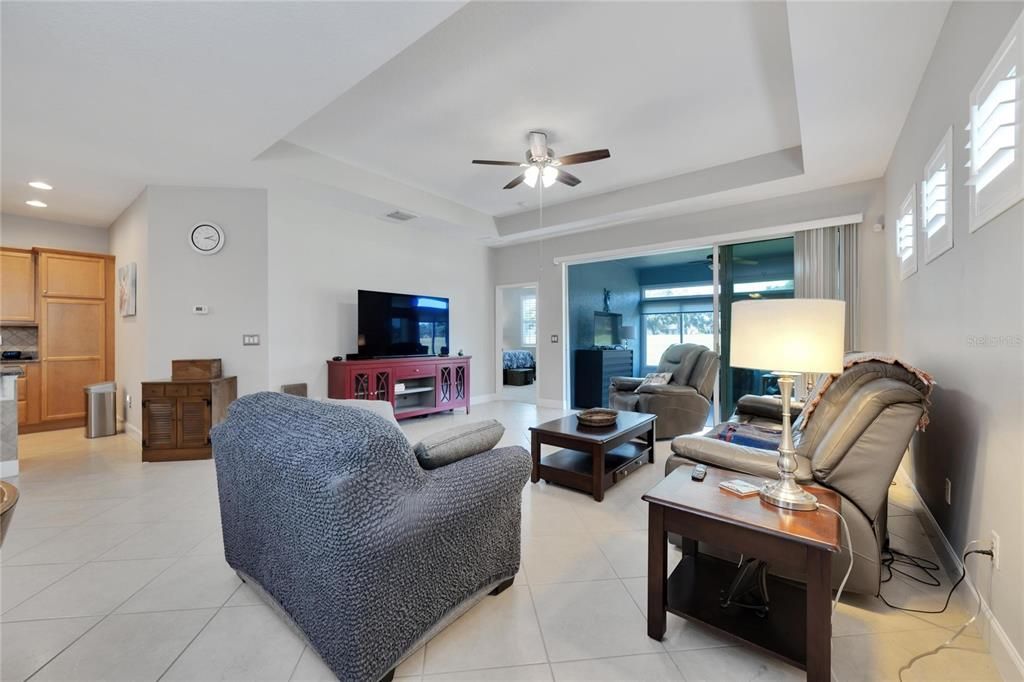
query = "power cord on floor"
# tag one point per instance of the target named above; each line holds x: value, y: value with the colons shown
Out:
x: 962, y: 628
x: 949, y: 595
x: 893, y: 558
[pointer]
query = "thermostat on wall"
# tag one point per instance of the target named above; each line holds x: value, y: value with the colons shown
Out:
x: 200, y: 310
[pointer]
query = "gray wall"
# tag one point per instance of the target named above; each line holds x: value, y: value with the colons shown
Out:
x: 534, y: 261
x: 153, y: 232
x: 974, y: 290
x: 23, y: 233
x: 587, y: 283
x: 129, y: 237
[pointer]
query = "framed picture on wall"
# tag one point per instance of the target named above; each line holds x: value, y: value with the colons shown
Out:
x: 126, y: 279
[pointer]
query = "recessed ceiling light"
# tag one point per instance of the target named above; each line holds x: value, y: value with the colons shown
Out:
x: 36, y: 203
x: 39, y: 184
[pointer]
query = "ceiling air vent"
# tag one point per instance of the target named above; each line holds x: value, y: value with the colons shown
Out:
x: 400, y: 216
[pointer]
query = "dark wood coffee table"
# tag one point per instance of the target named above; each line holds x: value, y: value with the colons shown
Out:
x: 798, y: 625
x: 594, y: 459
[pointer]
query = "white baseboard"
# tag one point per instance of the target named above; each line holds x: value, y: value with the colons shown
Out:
x: 481, y: 399
x: 1005, y: 655
x: 133, y: 432
x: 9, y: 468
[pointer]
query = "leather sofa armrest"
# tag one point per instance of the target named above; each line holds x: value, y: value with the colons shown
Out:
x: 767, y: 406
x: 667, y: 389
x: 741, y: 458
x: 625, y: 383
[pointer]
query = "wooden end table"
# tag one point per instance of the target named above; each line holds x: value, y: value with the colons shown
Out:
x: 798, y: 625
x: 594, y: 459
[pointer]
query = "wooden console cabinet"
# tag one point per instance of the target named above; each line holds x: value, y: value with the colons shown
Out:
x: 177, y: 416
x: 431, y: 384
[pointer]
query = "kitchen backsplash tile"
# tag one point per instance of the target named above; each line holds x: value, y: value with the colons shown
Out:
x: 25, y: 339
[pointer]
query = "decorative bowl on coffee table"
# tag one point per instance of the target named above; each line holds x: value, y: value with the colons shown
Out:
x: 597, y: 417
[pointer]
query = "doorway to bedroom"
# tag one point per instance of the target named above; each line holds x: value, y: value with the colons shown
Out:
x: 516, y: 322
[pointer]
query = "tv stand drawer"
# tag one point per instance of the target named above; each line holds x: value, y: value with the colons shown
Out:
x: 414, y: 371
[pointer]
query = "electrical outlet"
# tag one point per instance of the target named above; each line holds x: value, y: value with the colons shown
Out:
x: 949, y: 491
x: 250, y: 339
x: 128, y: 400
x: 200, y: 309
x: 995, y: 550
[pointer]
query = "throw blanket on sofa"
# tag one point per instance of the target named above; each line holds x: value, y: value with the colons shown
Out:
x: 518, y: 359
x: 747, y: 434
x: 852, y: 359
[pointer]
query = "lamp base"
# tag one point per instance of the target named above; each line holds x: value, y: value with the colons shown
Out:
x: 787, y: 494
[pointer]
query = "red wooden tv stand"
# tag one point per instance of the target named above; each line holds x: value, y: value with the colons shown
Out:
x: 415, y: 386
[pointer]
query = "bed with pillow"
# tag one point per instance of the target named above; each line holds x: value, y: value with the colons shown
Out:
x: 519, y: 367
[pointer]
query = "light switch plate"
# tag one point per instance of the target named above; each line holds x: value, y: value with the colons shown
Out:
x: 250, y: 339
x: 200, y: 309
x: 554, y: 338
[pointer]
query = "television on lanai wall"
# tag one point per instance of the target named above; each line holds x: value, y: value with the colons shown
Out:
x: 607, y: 329
x: 402, y: 325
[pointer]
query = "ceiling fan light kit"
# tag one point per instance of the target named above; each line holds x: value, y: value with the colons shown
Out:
x: 542, y: 164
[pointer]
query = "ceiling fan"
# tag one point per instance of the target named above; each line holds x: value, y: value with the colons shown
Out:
x: 542, y: 164
x: 710, y: 261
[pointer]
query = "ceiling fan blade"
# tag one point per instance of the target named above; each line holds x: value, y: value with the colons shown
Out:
x: 516, y: 181
x: 584, y: 157
x: 487, y: 162
x: 567, y: 178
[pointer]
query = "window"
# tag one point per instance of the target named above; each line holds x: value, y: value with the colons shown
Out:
x: 905, y: 237
x: 661, y: 330
x: 996, y: 165
x: 936, y: 201
x: 678, y: 291
x: 529, y: 308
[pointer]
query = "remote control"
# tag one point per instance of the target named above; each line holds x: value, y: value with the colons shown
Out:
x: 699, y: 472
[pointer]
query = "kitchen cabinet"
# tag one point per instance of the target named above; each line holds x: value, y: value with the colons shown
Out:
x: 17, y: 287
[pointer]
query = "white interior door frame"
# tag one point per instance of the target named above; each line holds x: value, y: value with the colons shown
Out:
x: 499, y: 333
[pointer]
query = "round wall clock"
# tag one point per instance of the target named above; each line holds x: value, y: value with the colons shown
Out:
x: 206, y: 238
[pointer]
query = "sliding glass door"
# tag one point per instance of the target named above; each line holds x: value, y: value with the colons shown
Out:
x: 749, y: 271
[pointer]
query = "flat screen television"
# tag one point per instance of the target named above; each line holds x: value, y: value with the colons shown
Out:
x: 397, y: 325
x: 607, y: 329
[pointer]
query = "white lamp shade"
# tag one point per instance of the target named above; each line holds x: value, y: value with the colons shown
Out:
x: 788, y: 335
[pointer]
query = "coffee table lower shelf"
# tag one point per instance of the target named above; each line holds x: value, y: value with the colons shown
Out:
x: 697, y: 583
x: 574, y: 469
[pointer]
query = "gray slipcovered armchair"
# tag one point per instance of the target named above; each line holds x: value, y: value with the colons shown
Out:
x: 683, y: 404
x: 328, y: 515
x: 852, y: 443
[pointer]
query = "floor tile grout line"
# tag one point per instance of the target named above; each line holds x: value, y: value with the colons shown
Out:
x: 540, y: 629
x: 101, y: 620
x: 200, y: 631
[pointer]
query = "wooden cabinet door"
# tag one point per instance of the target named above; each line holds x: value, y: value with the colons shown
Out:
x: 359, y: 384
x: 159, y: 419
x: 72, y: 337
x: 193, y: 422
x: 444, y: 386
x: 72, y: 276
x: 382, y: 383
x: 17, y: 286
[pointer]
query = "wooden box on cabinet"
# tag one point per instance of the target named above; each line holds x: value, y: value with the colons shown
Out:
x: 195, y: 369
x: 177, y: 416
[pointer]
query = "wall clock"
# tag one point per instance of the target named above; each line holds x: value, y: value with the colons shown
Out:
x: 206, y: 238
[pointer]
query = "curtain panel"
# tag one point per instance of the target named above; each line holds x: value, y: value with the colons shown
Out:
x: 826, y: 266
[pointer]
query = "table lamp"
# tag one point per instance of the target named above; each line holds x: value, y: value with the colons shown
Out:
x: 789, y: 336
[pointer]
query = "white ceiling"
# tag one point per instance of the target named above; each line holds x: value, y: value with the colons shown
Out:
x: 103, y: 98
x: 668, y: 87
x: 701, y: 104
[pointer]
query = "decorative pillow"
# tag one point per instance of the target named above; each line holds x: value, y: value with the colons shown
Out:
x: 451, y: 445
x: 750, y: 435
x: 654, y: 379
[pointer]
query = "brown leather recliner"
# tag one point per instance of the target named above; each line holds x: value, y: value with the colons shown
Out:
x: 683, y: 404
x: 852, y: 443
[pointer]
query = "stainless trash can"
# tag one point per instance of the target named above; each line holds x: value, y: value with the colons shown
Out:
x: 100, y: 415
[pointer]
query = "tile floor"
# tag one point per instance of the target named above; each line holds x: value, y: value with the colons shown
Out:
x: 114, y: 570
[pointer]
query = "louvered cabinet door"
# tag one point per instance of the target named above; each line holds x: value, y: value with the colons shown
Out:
x: 159, y: 417
x: 193, y: 422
